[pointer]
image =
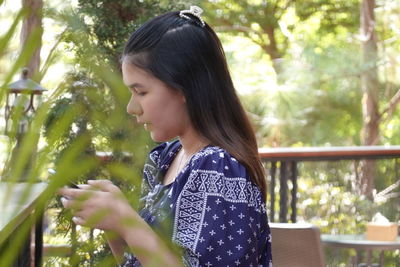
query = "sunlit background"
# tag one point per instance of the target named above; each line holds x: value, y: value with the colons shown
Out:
x: 316, y: 100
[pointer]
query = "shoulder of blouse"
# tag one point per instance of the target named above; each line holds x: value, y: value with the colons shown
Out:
x: 214, y: 158
x: 161, y: 151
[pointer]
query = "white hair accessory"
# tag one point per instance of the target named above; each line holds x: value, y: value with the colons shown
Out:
x: 195, y: 11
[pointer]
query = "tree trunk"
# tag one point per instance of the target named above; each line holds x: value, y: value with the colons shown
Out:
x: 32, y: 26
x: 31, y: 37
x: 273, y: 51
x: 370, y: 89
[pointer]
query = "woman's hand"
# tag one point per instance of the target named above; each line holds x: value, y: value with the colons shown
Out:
x: 99, y: 204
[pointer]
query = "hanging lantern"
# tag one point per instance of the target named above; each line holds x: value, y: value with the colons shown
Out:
x: 24, y: 90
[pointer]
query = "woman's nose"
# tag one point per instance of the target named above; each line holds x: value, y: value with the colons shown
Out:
x: 134, y: 107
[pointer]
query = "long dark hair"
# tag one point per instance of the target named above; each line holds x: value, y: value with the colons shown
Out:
x: 189, y: 57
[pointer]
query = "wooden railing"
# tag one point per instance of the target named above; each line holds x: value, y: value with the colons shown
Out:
x: 288, y: 158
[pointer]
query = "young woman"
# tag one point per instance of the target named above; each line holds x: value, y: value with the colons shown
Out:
x: 204, y: 191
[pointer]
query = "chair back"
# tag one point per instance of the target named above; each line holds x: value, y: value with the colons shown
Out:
x: 296, y: 245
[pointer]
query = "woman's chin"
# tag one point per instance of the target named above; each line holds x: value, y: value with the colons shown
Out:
x: 156, y: 138
x: 160, y: 138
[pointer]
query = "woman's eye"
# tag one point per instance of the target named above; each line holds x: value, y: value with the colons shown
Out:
x: 137, y: 92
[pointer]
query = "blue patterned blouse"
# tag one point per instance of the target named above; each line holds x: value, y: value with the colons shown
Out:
x: 212, y: 210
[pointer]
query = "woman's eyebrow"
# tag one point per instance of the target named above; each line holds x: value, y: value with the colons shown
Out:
x: 135, y: 85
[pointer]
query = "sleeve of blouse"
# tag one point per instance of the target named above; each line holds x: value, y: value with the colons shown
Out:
x: 130, y: 261
x: 220, y: 217
x: 150, y: 169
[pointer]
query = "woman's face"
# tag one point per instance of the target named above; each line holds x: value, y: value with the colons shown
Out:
x: 161, y: 109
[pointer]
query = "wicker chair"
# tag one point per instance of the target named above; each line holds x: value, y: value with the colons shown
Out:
x: 296, y: 245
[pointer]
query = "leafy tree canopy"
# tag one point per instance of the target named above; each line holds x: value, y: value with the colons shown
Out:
x: 109, y: 23
x: 270, y: 23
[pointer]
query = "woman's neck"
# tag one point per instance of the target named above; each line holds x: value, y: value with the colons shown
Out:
x: 192, y: 142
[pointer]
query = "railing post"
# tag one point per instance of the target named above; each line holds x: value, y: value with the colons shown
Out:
x: 272, y: 191
x: 73, y: 260
x: 38, y: 240
x: 294, y: 191
x: 283, y: 193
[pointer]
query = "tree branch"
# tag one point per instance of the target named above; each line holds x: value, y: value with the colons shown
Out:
x: 287, y: 5
x: 227, y: 28
x: 47, y: 62
x: 391, y: 106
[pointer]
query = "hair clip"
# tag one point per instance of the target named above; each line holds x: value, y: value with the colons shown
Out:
x: 195, y: 11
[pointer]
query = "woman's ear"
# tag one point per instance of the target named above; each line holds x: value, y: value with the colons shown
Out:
x: 183, y: 98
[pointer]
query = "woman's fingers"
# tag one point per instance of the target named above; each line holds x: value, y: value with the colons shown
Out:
x: 85, y: 187
x: 69, y: 192
x: 76, y: 198
x: 72, y: 203
x: 66, y: 203
x: 104, y: 185
x: 78, y: 220
x: 99, y: 204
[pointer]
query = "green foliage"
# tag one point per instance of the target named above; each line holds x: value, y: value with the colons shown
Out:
x: 321, y: 89
x: 93, y: 102
x: 109, y: 23
x: 333, y: 14
x: 328, y: 93
x: 320, y: 81
x: 318, y: 70
x: 271, y: 24
x: 83, y: 116
x: 257, y: 20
